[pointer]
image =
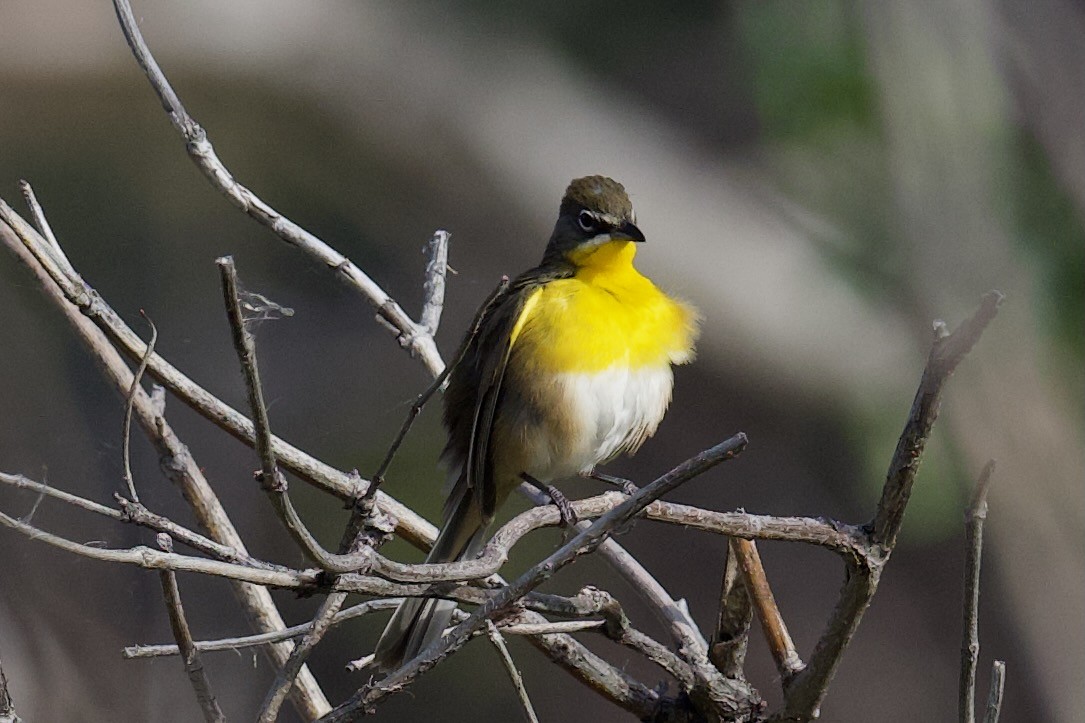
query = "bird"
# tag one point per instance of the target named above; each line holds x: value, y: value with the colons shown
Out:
x: 569, y: 366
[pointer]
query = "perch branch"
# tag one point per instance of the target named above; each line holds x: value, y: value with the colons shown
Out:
x: 684, y: 631
x: 586, y: 541
x: 412, y: 336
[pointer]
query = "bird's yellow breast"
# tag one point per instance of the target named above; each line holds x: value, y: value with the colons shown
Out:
x: 606, y: 315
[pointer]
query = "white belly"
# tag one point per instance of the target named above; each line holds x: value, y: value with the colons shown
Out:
x: 614, y: 410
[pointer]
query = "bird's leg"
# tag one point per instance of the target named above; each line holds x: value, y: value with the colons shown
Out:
x: 626, y: 486
x: 568, y: 517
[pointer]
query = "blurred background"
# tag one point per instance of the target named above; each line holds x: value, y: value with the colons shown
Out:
x: 822, y: 180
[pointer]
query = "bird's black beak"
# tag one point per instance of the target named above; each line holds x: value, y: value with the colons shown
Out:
x: 629, y: 232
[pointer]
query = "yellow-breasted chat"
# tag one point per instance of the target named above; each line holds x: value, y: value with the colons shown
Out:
x: 570, y: 366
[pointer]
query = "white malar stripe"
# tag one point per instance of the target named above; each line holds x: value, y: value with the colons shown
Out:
x: 617, y: 409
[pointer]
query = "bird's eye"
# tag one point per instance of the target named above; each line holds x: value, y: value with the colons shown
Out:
x: 586, y: 220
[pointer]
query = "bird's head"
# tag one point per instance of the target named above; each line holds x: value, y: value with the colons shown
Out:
x: 595, y: 212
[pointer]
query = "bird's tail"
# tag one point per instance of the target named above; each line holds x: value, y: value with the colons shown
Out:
x: 418, y: 622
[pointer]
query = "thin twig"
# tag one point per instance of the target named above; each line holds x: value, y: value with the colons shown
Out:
x: 245, y: 347
x: 130, y: 399
x: 781, y: 646
x: 248, y: 641
x: 994, y: 695
x: 729, y: 643
x: 584, y: 542
x: 272, y: 481
x: 212, y: 713
x: 20, y: 482
x: 412, y: 336
x: 975, y: 516
x: 805, y: 691
x: 514, y: 674
x: 433, y: 290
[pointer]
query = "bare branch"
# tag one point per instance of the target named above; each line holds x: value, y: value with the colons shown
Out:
x: 975, y: 516
x: 514, y: 674
x: 138, y: 514
x: 805, y: 691
x: 412, y: 336
x: 781, y: 646
x: 212, y: 713
x: 946, y: 353
x: 433, y: 290
x: 63, y: 287
x: 270, y: 478
x: 176, y: 460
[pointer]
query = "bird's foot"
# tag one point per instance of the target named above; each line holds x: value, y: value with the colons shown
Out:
x: 627, y: 487
x: 565, y: 509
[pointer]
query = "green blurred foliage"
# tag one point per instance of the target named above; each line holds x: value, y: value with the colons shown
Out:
x: 1051, y: 235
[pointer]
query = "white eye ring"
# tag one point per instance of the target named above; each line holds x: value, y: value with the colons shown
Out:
x: 586, y: 220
